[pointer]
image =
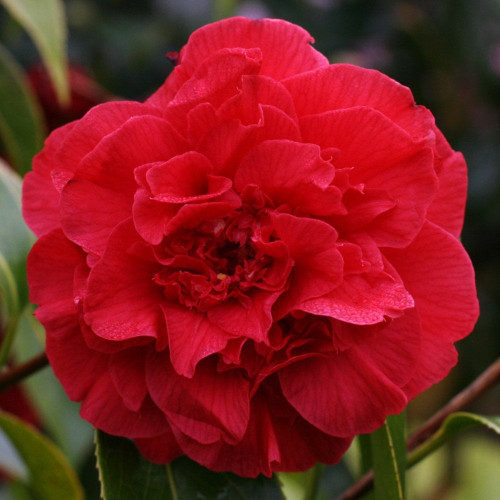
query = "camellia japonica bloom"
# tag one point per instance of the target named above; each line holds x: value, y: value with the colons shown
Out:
x: 256, y: 264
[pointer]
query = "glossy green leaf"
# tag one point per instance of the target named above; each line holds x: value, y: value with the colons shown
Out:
x: 15, y: 242
x: 388, y: 446
x: 44, y: 20
x: 125, y: 474
x: 312, y: 489
x: 21, y: 126
x: 365, y: 458
x: 454, y: 424
x: 50, y: 475
x: 194, y: 481
x: 365, y: 448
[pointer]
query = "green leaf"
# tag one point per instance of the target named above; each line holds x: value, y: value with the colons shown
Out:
x: 44, y: 20
x: 314, y: 482
x: 365, y: 459
x: 15, y: 242
x: 50, y: 475
x: 21, y: 126
x: 388, y: 445
x: 194, y: 481
x: 365, y: 448
x: 454, y: 424
x: 125, y: 475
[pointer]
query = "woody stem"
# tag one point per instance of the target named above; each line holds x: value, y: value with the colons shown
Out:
x: 14, y: 375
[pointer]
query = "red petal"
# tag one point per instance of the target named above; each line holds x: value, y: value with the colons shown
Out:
x: 51, y: 268
x: 76, y: 366
x: 104, y: 409
x: 129, y: 377
x: 122, y: 301
x: 437, y: 358
x: 225, y: 145
x: 191, y: 337
x: 341, y: 86
x: 448, y: 207
x: 83, y: 218
x: 252, y: 321
x: 293, y: 174
x: 396, y: 348
x: 257, y: 90
x: 438, y: 273
x: 109, y: 171
x: 318, y: 264
x: 214, y: 81
x: 276, y: 439
x: 159, y: 449
x: 40, y: 197
x: 362, y: 299
x: 343, y: 394
x: 184, y: 179
x: 150, y: 216
x: 209, y: 406
x: 285, y: 47
x: 100, y: 121
x: 191, y: 215
x: 382, y: 156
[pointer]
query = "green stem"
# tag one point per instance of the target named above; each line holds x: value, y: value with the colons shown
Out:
x: 171, y: 482
x: 8, y: 339
x: 313, y: 486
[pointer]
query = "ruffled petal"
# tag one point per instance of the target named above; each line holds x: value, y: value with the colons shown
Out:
x: 286, y: 50
x: 77, y: 367
x: 437, y: 358
x: 317, y: 262
x: 276, y: 439
x: 51, y: 268
x: 109, y: 171
x: 252, y: 319
x: 40, y: 197
x: 438, y: 273
x: 343, y: 394
x: 127, y: 370
x: 104, y: 409
x: 292, y: 174
x: 191, y: 337
x: 207, y: 407
x: 448, y: 207
x: 381, y: 156
x: 396, y: 348
x: 122, y: 301
x: 362, y: 299
x: 341, y: 86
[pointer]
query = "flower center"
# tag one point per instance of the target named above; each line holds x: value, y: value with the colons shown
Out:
x: 219, y: 260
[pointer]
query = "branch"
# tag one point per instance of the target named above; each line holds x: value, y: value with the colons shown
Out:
x: 11, y: 377
x: 484, y: 382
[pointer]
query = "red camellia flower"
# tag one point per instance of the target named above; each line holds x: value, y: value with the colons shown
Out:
x: 256, y: 264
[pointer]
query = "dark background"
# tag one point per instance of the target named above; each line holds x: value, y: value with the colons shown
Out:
x: 447, y: 52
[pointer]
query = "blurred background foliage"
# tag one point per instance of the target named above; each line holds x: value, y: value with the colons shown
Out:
x: 447, y: 52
